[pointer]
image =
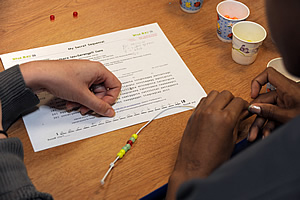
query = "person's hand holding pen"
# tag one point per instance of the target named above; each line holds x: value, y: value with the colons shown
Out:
x: 81, y: 82
x: 209, y: 138
x: 277, y: 106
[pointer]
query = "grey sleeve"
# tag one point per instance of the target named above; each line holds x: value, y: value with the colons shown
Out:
x: 16, y: 98
x: 14, y: 181
x: 268, y: 169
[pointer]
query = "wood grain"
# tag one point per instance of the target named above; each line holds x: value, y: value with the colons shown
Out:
x: 73, y: 171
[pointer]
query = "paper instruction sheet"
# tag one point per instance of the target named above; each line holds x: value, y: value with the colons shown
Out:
x: 153, y: 77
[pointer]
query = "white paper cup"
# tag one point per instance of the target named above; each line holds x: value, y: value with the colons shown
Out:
x: 277, y: 63
x: 233, y: 9
x: 247, y: 38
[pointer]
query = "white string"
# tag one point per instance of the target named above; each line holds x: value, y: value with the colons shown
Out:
x: 110, y: 168
x: 114, y: 162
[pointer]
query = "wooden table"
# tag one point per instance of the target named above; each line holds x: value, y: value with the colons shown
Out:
x: 73, y: 171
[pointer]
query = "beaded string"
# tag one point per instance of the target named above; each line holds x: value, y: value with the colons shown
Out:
x: 133, y: 138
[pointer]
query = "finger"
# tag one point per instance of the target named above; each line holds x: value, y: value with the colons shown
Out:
x: 92, y: 102
x: 268, y: 128
x: 222, y: 100
x: 112, y: 85
x: 72, y: 106
x: 111, y: 96
x: 270, y: 97
x: 84, y: 110
x: 98, y: 88
x: 236, y: 107
x: 268, y: 75
x: 270, y: 111
x: 100, y: 95
x: 211, y: 97
x: 202, y: 101
x: 245, y: 115
x: 207, y: 100
x: 256, y: 126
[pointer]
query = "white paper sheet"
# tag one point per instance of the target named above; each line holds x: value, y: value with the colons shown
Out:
x: 153, y: 77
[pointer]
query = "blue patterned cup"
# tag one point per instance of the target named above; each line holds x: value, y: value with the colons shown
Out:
x: 229, y: 13
x: 191, y: 6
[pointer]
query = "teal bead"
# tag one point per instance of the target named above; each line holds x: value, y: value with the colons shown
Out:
x: 132, y: 139
x: 128, y: 146
x: 125, y: 148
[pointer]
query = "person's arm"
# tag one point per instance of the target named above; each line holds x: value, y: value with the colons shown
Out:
x: 208, y: 139
x: 81, y: 82
x: 16, y: 98
x: 281, y: 105
x: 14, y: 180
x: 268, y: 169
x: 84, y: 82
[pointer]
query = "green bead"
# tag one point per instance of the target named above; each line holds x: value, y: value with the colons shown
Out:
x: 132, y: 139
x: 128, y: 146
x: 125, y: 148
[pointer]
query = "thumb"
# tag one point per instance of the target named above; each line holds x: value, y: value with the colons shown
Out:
x: 91, y: 101
x: 269, y: 111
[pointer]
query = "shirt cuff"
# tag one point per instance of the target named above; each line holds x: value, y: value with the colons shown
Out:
x: 15, y: 97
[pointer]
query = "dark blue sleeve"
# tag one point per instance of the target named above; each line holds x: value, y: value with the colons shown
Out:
x: 268, y: 169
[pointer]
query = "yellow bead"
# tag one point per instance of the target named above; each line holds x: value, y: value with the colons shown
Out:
x: 122, y: 151
x: 135, y: 136
x: 120, y: 155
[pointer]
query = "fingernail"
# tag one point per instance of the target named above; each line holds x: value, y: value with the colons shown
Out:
x: 70, y: 109
x: 254, y: 109
x: 110, y: 113
x: 83, y: 112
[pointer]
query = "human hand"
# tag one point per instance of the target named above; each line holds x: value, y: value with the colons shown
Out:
x: 277, y: 106
x: 71, y: 80
x: 208, y: 139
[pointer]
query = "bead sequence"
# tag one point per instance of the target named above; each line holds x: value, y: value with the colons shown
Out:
x: 127, y: 146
